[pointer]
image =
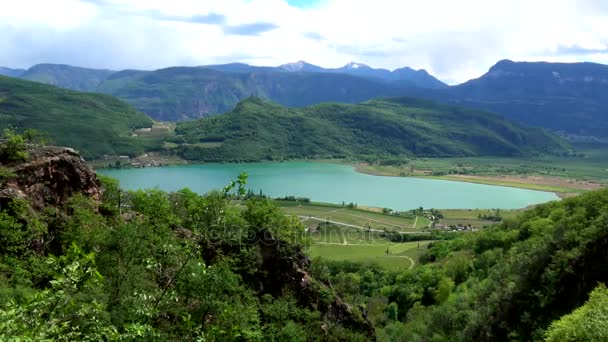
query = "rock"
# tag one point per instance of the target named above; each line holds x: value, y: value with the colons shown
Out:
x: 283, y: 268
x: 49, y: 177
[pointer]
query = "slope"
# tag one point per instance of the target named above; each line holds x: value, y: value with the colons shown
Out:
x: 66, y: 76
x: 93, y: 123
x: 259, y: 130
x: 11, y: 72
x: 181, y: 93
x: 558, y: 96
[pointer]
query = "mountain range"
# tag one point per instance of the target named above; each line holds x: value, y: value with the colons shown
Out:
x: 405, y: 76
x: 98, y: 124
x: 565, y: 98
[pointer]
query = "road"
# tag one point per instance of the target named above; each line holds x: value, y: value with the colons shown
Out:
x: 303, y: 217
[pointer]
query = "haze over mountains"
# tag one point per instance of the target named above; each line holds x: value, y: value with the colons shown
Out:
x: 561, y: 97
x: 565, y: 98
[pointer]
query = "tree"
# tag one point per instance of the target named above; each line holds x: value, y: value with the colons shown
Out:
x: 12, y: 148
x: 35, y: 136
x: 587, y: 323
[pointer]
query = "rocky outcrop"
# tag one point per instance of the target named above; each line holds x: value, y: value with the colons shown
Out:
x: 283, y: 268
x: 49, y: 177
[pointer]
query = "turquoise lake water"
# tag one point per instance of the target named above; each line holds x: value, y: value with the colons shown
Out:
x: 332, y: 183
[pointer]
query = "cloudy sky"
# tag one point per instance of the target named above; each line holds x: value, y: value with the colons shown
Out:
x: 454, y: 40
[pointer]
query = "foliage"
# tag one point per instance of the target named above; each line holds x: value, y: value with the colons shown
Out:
x: 174, y: 94
x: 6, y: 174
x: 508, y: 281
x: 66, y: 76
x: 12, y: 147
x: 587, y: 323
x: 387, y: 128
x: 155, y: 266
x: 94, y: 124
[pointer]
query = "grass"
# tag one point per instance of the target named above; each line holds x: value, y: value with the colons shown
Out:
x: 538, y: 187
x: 401, y: 257
x: 317, y: 212
x: 343, y: 242
x: 557, y: 174
x: 473, y: 214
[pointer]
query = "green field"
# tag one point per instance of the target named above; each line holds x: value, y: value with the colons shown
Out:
x: 591, y: 163
x: 317, y: 212
x: 402, y: 255
x: 356, y: 234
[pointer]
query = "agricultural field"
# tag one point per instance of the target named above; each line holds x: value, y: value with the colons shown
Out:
x: 403, y: 255
x: 474, y: 217
x: 341, y: 233
x: 587, y: 170
x: 355, y: 218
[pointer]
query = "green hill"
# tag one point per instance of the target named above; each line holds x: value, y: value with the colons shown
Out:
x: 259, y: 130
x: 95, y: 124
x: 66, y: 76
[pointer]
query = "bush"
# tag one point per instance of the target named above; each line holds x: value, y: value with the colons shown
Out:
x: 12, y: 148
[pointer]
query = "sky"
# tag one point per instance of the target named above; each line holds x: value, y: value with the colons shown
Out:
x: 455, y: 40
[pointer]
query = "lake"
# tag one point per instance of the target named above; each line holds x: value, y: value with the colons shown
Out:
x: 332, y: 183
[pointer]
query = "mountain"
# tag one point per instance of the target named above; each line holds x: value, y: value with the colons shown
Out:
x: 182, y: 93
x: 67, y: 76
x: 301, y: 66
x: 404, y: 76
x: 96, y: 124
x: 562, y: 97
x: 260, y: 130
x: 11, y: 72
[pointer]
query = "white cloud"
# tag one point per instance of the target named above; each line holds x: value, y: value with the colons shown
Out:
x: 455, y: 40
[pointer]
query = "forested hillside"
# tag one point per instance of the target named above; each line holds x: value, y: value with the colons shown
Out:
x: 67, y: 76
x: 513, y: 281
x: 182, y: 93
x: 81, y: 260
x: 94, y: 124
x: 260, y: 130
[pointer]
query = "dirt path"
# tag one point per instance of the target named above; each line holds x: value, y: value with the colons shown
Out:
x: 303, y: 218
x: 412, y: 262
x: 369, y: 219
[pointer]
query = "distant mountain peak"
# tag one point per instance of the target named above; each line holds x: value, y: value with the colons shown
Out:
x: 355, y: 65
x: 300, y: 66
x: 503, y: 64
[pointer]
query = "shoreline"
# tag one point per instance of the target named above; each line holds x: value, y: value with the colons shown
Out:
x: 540, y: 183
x: 537, y: 183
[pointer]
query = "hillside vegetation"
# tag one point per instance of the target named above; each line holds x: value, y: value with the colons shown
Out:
x: 521, y: 280
x: 66, y: 76
x: 182, y: 93
x: 566, y: 97
x: 259, y: 130
x: 94, y: 124
x: 83, y: 263
x: 561, y: 97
